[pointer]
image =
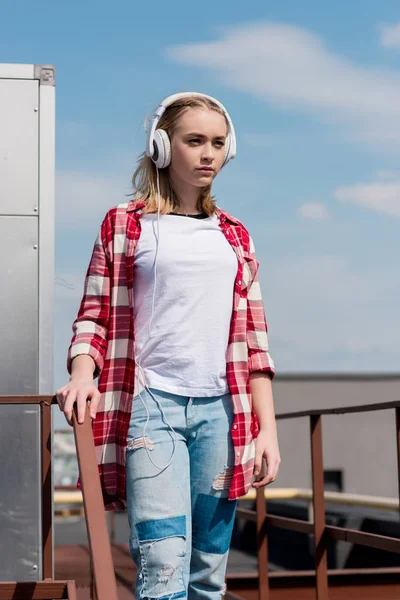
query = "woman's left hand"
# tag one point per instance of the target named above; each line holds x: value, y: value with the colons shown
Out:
x: 266, y: 447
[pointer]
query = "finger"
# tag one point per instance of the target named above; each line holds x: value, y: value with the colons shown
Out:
x: 69, y: 403
x: 269, y: 477
x: 275, y: 468
x: 81, y: 402
x: 257, y: 462
x: 262, y: 482
x: 94, y: 403
x: 60, y: 397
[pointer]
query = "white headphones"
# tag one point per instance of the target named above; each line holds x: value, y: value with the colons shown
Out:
x: 158, y: 146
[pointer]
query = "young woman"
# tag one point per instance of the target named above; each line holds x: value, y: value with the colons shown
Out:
x: 173, y: 324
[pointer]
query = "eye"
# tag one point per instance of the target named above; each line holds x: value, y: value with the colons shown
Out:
x: 194, y: 140
x: 220, y: 144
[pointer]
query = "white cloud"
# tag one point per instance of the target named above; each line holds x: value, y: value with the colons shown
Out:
x: 390, y: 36
x: 382, y: 197
x: 84, y: 196
x: 388, y: 174
x: 326, y: 314
x: 292, y: 68
x: 315, y: 211
x: 323, y: 313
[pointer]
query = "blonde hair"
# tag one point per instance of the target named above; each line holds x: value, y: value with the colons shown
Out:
x: 144, y: 179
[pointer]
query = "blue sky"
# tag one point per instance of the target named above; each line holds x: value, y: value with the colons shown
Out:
x: 314, y: 92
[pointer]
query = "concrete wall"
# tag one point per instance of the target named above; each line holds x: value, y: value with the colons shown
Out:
x: 363, y: 445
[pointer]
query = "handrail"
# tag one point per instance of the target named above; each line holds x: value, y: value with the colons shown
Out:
x: 320, y: 530
x: 340, y: 410
x: 96, y: 524
x: 46, y: 586
x: 99, y: 541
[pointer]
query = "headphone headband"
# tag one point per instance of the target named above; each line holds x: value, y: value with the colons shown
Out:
x: 152, y: 149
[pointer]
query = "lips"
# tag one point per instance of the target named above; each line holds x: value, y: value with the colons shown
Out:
x: 207, y: 169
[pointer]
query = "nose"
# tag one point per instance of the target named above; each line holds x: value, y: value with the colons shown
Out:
x: 208, y: 152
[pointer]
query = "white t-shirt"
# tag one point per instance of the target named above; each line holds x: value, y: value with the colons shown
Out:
x: 196, y: 270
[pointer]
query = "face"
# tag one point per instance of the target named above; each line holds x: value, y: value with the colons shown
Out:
x: 197, y: 147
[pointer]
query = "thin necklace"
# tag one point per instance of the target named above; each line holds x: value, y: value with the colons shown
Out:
x: 188, y: 215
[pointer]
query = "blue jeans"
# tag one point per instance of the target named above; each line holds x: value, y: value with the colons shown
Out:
x: 180, y: 518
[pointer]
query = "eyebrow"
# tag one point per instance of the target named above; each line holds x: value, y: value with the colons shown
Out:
x: 222, y: 137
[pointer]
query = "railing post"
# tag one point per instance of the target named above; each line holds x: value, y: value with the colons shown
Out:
x: 262, y: 541
x: 47, y: 491
x: 397, y: 410
x: 71, y: 590
x: 105, y: 587
x: 321, y: 561
x: 92, y: 585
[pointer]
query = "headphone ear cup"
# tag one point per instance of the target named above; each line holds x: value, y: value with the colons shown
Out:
x: 227, y: 150
x: 162, y: 149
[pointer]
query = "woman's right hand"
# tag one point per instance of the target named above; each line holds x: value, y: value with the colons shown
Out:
x: 78, y: 390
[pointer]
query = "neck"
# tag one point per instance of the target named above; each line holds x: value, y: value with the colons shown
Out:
x: 188, y: 196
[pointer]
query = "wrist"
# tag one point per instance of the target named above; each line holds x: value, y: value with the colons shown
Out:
x: 268, y: 428
x: 81, y: 376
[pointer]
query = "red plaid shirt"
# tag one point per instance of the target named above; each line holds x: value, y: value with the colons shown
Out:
x: 104, y: 329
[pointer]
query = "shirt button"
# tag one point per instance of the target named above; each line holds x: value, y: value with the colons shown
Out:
x: 237, y: 453
x: 239, y: 281
x: 235, y: 426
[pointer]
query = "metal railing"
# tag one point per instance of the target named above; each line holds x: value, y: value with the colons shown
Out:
x: 104, y: 583
x: 47, y: 587
x: 319, y: 529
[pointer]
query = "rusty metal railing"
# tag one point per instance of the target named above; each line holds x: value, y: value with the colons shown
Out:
x: 99, y: 544
x: 320, y: 531
x: 104, y: 585
x: 47, y: 587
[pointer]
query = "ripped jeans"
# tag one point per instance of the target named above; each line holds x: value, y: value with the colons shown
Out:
x: 180, y: 518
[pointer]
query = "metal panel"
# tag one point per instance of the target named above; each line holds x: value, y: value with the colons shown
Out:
x: 20, y: 501
x: 19, y: 305
x: 19, y: 146
x: 27, y: 165
x: 46, y: 231
x: 16, y: 71
x: 46, y: 74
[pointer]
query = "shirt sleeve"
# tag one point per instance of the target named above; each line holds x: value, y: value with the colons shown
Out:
x: 259, y: 358
x: 90, y: 328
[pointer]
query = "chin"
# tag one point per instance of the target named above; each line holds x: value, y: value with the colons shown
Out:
x: 205, y: 177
